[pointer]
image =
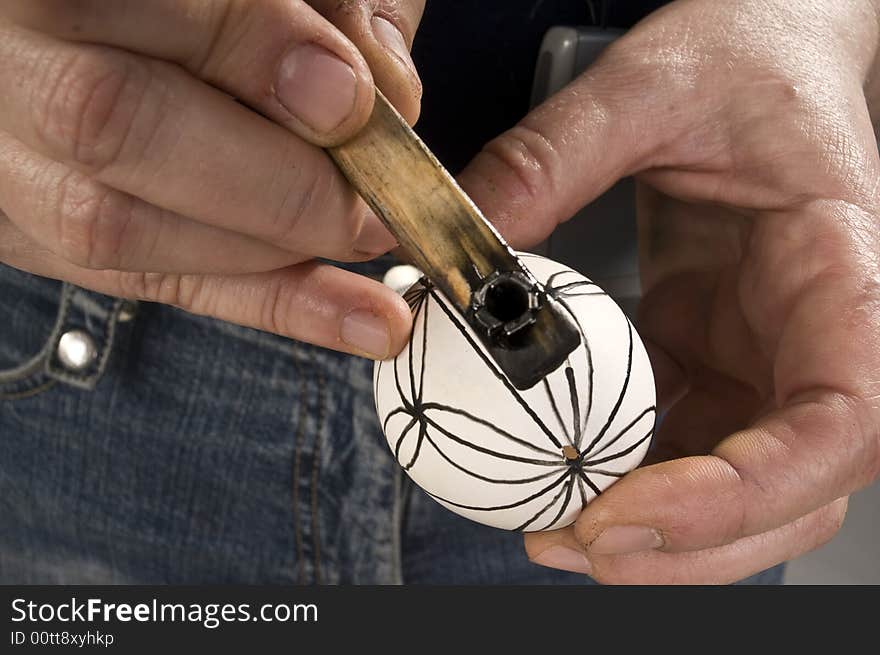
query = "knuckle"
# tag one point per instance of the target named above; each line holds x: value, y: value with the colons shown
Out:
x: 182, y: 291
x: 224, y: 23
x: 408, y: 13
x: 305, y: 198
x: 89, y: 106
x: 275, y: 309
x: 738, y: 519
x: 76, y: 214
x: 190, y: 292
x: 529, y: 157
x: 135, y: 285
x: 95, y: 225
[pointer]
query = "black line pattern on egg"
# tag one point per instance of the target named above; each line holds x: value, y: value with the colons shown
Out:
x: 566, y: 476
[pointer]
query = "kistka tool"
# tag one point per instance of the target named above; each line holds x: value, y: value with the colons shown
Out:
x: 450, y: 240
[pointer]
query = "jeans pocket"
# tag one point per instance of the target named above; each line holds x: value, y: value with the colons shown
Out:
x: 52, y: 332
x: 28, y: 314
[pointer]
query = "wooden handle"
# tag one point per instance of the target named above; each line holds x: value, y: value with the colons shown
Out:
x: 422, y: 205
x: 449, y: 239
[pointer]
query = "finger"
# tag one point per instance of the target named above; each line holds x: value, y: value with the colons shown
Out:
x: 722, y: 565
x: 152, y: 131
x: 597, y: 126
x: 278, y: 56
x: 311, y: 302
x: 823, y: 441
x: 383, y: 31
x: 752, y: 484
x: 93, y: 226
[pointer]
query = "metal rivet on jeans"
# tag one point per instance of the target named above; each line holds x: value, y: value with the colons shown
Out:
x: 127, y: 311
x: 76, y: 350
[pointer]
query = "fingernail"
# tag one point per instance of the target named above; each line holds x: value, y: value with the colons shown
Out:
x: 364, y: 331
x: 566, y: 559
x: 316, y: 86
x: 374, y: 238
x: 392, y: 40
x: 622, y: 539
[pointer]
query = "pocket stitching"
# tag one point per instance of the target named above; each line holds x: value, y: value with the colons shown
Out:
x: 34, y: 369
x: 89, y: 379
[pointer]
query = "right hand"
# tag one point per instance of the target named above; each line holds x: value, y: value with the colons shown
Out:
x: 169, y: 151
x: 749, y: 132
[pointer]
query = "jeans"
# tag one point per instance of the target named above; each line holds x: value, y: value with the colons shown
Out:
x: 190, y: 451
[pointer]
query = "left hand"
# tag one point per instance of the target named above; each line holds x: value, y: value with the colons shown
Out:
x: 747, y: 127
x: 170, y: 151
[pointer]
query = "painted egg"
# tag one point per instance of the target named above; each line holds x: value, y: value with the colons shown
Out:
x: 519, y: 460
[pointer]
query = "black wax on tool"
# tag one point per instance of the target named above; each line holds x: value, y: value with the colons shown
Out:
x: 448, y: 238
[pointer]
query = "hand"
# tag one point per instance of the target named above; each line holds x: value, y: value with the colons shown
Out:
x: 747, y: 127
x: 169, y: 151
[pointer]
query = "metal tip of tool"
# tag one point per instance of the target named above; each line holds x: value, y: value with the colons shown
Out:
x: 524, y: 329
x: 506, y: 305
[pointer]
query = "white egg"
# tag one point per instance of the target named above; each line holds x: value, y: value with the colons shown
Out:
x: 401, y: 277
x: 519, y: 460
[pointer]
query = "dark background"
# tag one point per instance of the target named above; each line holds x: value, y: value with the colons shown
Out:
x: 477, y: 59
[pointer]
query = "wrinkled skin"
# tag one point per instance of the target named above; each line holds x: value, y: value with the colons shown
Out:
x: 169, y: 151
x: 748, y: 125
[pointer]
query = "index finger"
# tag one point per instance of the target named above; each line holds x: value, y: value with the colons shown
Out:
x: 277, y: 56
x: 146, y: 128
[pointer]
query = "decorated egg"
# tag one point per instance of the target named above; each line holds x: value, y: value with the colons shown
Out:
x: 519, y: 460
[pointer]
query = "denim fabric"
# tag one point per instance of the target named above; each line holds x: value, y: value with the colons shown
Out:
x: 195, y: 451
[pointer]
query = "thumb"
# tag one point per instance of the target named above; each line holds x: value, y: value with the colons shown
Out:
x: 567, y: 151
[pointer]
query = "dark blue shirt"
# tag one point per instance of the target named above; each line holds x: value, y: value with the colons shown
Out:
x: 477, y: 60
